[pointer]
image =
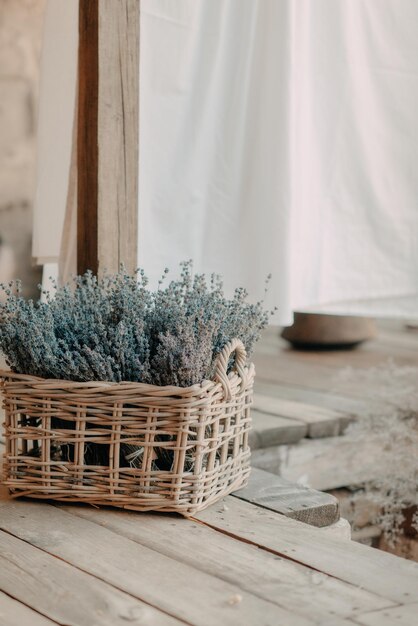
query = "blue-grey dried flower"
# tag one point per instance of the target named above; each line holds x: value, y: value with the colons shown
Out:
x: 116, y: 329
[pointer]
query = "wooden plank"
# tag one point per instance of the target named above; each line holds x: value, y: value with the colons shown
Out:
x: 318, y: 374
x: 270, y: 430
x: 320, y: 422
x: 327, y: 463
x: 282, y: 368
x: 13, y: 613
x: 290, y: 585
x: 107, y: 143
x: 290, y: 499
x: 406, y: 615
x: 63, y: 593
x: 374, y: 570
x: 329, y: 400
x: 118, y: 136
x: 176, y: 588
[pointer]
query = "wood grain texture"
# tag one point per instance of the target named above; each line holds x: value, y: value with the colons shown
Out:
x: 281, y: 581
x: 118, y: 138
x: 374, y: 570
x: 13, y: 613
x: 290, y: 499
x: 63, y: 593
x: 107, y: 146
x: 176, y: 588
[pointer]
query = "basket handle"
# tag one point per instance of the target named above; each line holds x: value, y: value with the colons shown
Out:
x: 221, y: 366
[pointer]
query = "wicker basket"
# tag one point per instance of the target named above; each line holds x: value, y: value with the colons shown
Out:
x: 130, y: 445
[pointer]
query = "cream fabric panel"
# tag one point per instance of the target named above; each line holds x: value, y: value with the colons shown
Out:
x: 355, y: 183
x: 55, y: 126
x: 283, y: 137
x: 215, y: 140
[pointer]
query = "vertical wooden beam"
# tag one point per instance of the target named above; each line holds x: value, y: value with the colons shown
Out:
x: 87, y: 141
x: 108, y: 119
x: 118, y: 133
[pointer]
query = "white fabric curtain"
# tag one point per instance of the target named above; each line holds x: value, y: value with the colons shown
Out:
x: 281, y: 136
x: 215, y: 140
x: 354, y: 180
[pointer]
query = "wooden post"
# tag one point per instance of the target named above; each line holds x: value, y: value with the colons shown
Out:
x: 107, y: 137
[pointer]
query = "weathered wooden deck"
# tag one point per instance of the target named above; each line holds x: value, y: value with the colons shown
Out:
x: 235, y: 563
x: 256, y: 558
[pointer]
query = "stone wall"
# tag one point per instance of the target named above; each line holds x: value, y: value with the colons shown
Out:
x: 21, y: 24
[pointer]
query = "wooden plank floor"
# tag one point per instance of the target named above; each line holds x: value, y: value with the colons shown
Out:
x: 241, y: 562
x: 235, y: 563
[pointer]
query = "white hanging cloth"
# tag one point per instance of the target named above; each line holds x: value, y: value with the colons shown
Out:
x: 214, y: 141
x: 277, y: 137
x: 354, y: 182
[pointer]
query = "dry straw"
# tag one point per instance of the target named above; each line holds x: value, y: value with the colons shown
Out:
x: 161, y: 448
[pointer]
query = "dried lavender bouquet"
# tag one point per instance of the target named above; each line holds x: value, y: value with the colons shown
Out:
x: 117, y: 329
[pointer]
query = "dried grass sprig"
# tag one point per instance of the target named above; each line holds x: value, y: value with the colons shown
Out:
x: 392, y: 423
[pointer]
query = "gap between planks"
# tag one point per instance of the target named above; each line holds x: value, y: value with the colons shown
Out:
x: 404, y: 615
x: 390, y: 577
x: 319, y: 421
x: 16, y: 613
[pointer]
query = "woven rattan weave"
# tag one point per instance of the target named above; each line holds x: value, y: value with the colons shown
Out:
x: 130, y: 445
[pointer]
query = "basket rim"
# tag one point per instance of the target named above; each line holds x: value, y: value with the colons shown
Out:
x: 49, y: 384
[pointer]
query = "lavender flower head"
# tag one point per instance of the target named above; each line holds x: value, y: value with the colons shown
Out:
x: 116, y: 329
